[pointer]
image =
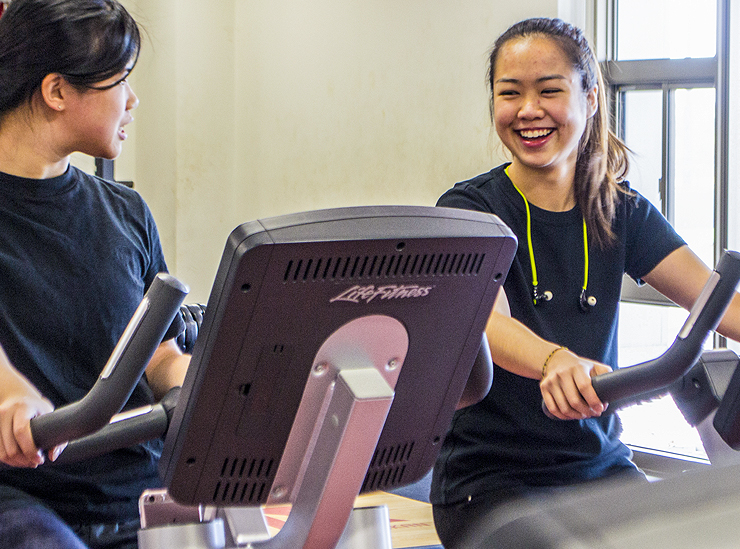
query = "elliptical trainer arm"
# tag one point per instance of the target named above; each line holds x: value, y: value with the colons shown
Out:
x: 623, y: 385
x: 126, y: 365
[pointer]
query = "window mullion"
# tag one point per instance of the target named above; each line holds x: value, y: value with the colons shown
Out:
x: 722, y: 138
x: 667, y: 184
x: 722, y: 129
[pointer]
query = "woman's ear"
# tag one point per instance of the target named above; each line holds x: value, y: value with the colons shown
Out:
x: 592, y: 101
x: 54, y: 91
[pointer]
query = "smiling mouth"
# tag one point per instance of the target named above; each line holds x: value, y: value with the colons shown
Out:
x: 534, y: 134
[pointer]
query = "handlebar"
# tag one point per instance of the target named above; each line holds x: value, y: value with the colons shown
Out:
x: 126, y: 365
x: 163, y: 299
x: 653, y: 378
x: 124, y: 429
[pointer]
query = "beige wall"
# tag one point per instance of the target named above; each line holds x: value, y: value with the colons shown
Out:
x: 254, y: 108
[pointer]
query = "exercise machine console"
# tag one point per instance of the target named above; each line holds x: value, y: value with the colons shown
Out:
x: 334, y: 349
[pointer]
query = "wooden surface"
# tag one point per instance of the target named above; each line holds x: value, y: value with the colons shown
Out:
x: 411, y: 520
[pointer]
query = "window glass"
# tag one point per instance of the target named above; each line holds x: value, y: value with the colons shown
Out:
x: 666, y: 29
x: 643, y: 131
x: 692, y: 161
x: 694, y: 169
x: 659, y: 425
x: 645, y: 332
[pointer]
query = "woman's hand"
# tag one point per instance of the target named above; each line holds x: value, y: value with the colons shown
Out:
x: 566, y: 387
x: 16, y: 442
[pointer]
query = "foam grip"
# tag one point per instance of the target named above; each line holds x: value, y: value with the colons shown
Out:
x: 192, y: 316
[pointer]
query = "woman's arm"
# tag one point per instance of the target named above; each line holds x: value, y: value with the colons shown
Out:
x: 20, y: 402
x: 566, y: 383
x: 167, y: 368
x: 685, y: 288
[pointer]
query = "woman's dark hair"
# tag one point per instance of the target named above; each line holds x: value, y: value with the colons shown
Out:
x: 86, y: 41
x: 602, y: 157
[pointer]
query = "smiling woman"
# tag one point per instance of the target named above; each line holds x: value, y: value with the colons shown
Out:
x: 540, y: 113
x: 580, y: 228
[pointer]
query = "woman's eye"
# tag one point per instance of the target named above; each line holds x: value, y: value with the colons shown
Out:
x: 550, y: 91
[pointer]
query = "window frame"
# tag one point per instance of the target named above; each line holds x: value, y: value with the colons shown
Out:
x: 668, y: 75
x: 600, y: 23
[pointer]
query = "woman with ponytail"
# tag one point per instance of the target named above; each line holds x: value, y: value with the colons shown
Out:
x: 580, y: 229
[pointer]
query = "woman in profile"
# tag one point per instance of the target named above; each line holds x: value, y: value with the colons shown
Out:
x: 77, y: 254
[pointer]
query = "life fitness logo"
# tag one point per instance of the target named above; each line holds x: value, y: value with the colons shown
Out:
x: 366, y: 294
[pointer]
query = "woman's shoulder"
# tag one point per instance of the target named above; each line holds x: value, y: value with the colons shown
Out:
x: 116, y: 198
x: 632, y: 200
x: 477, y: 193
x: 496, y: 176
x: 107, y: 187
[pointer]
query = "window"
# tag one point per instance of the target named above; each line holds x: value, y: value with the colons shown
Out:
x: 665, y: 29
x: 663, y: 61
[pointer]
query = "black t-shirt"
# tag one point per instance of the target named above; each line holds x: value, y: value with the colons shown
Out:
x: 77, y: 254
x: 505, y: 443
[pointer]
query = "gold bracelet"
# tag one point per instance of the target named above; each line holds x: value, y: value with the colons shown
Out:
x: 547, y: 360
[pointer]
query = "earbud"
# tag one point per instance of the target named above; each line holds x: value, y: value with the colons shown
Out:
x: 587, y: 303
x: 537, y: 296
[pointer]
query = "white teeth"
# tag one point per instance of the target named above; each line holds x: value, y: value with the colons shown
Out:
x: 534, y: 134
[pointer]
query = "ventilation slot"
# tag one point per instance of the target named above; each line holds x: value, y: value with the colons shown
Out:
x: 243, y: 481
x: 387, y: 467
x: 383, y: 266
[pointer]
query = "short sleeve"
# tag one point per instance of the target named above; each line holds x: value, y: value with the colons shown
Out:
x: 468, y: 195
x: 649, y: 237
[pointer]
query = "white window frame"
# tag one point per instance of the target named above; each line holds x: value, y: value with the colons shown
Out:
x: 598, y: 19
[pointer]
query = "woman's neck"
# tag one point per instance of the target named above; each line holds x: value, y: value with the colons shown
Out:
x: 549, y: 188
x: 24, y: 149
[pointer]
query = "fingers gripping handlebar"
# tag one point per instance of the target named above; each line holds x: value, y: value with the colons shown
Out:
x: 126, y: 365
x: 648, y: 379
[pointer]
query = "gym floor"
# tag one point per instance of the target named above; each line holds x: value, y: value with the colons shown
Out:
x: 412, y: 526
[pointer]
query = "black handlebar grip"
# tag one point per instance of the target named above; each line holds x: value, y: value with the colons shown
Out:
x: 124, y: 430
x: 126, y: 365
x: 632, y: 382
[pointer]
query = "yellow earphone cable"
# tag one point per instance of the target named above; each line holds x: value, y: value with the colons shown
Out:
x: 529, y: 239
x: 529, y: 231
x: 585, y: 255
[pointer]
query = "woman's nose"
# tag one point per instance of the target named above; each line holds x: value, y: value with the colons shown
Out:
x: 133, y: 101
x: 530, y: 108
